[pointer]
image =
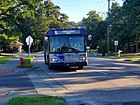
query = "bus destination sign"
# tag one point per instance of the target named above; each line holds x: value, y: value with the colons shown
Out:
x: 65, y: 32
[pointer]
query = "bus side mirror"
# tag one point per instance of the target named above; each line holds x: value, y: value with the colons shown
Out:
x: 89, y: 37
x: 87, y: 48
x: 46, y: 38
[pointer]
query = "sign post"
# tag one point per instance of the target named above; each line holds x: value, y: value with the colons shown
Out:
x: 116, y: 44
x: 29, y: 41
x: 119, y: 53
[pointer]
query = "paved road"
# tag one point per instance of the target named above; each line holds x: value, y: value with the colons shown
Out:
x: 13, y: 83
x: 103, y: 81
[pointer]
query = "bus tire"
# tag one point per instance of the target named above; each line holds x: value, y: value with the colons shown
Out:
x: 46, y: 62
x: 80, y: 67
x: 50, y: 67
x: 45, y: 58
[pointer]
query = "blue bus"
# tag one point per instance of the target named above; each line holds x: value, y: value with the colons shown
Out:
x: 65, y: 47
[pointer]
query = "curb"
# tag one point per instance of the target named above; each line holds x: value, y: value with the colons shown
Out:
x: 39, y: 85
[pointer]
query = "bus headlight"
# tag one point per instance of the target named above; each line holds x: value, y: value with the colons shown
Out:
x: 82, y: 58
x: 53, y: 59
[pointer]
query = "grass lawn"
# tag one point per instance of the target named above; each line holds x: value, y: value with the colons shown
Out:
x: 3, y: 59
x: 36, y: 101
x: 135, y: 60
x: 132, y: 57
x: 93, y: 50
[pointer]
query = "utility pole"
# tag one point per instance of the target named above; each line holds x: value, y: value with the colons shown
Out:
x: 108, y: 28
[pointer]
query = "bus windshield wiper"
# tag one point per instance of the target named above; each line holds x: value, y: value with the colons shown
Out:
x: 75, y: 50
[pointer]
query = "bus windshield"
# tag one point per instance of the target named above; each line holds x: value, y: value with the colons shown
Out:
x: 66, y: 44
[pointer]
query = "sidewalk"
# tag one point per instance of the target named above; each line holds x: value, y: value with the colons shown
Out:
x: 52, y: 87
x: 40, y: 82
x: 9, y: 69
x: 6, y: 69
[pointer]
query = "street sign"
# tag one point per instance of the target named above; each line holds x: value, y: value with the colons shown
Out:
x: 29, y: 40
x: 116, y: 43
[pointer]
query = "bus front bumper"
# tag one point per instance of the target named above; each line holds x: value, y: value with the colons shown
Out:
x: 68, y: 64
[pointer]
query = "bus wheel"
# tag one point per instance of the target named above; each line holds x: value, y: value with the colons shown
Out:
x: 46, y: 62
x: 80, y: 67
x: 50, y: 67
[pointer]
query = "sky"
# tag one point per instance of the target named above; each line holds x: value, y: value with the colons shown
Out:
x: 77, y: 9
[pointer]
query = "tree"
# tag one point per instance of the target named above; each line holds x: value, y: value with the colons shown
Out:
x: 47, y: 16
x: 30, y: 17
x: 96, y: 27
x: 15, y: 17
x: 73, y: 24
x: 56, y: 19
x: 8, y: 44
x: 115, y: 25
x: 125, y: 24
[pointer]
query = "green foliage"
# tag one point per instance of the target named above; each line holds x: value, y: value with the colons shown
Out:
x: 36, y: 101
x: 20, y: 18
x: 28, y: 59
x: 29, y: 17
x: 8, y: 43
x: 95, y: 27
x: 135, y: 60
x: 124, y: 27
x: 73, y: 24
x: 132, y: 57
x: 3, y: 59
x: 27, y: 62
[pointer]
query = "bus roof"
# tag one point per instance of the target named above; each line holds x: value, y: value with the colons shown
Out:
x: 66, y: 31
